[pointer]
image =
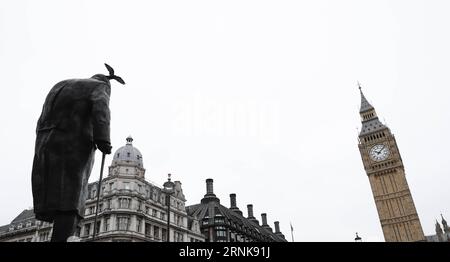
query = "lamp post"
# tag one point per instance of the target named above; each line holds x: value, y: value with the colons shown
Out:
x: 168, y: 189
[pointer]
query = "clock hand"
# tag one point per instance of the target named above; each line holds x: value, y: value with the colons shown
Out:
x: 381, y: 149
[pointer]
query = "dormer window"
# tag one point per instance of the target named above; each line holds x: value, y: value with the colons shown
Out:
x: 205, y: 220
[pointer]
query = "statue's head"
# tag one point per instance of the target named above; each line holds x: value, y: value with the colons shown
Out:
x: 101, y: 77
x: 106, y: 79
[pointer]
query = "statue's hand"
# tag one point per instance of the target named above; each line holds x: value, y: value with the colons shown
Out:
x: 104, y: 147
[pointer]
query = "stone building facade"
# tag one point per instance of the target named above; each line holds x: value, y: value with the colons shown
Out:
x: 386, y: 172
x: 130, y: 209
x: 25, y: 228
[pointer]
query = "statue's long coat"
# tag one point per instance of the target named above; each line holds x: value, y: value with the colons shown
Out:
x: 75, y: 114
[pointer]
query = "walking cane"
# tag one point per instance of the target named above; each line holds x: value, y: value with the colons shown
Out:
x: 98, y: 196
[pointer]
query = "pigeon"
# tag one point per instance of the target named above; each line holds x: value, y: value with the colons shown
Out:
x: 112, y: 76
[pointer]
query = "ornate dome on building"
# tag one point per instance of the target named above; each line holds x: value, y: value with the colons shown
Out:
x: 127, y: 161
x: 128, y: 155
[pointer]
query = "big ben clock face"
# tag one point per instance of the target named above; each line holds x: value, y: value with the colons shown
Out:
x: 379, y: 152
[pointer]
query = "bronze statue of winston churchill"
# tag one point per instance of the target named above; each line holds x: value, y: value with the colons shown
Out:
x: 75, y: 120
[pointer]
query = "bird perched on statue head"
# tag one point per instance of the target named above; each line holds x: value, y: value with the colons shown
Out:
x: 111, y: 75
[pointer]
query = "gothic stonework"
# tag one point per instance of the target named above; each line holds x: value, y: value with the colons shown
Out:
x: 384, y: 167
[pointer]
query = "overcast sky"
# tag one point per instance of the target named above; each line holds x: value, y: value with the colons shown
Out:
x: 261, y: 96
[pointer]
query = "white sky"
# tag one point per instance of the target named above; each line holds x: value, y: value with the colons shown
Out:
x: 259, y: 95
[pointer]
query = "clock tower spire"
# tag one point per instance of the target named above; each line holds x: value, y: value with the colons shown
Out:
x: 384, y: 168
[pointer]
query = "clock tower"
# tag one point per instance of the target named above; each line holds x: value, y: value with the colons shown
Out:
x: 384, y: 167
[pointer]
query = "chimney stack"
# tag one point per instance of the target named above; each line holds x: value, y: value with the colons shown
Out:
x: 233, y: 200
x: 277, y: 227
x: 264, y: 222
x: 277, y: 230
x: 209, y: 186
x: 264, y: 219
x: 210, y: 196
x: 250, y: 211
x: 250, y: 214
x: 233, y: 206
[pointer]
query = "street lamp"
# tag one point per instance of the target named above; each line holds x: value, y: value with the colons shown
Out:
x: 168, y: 189
x: 357, y: 238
